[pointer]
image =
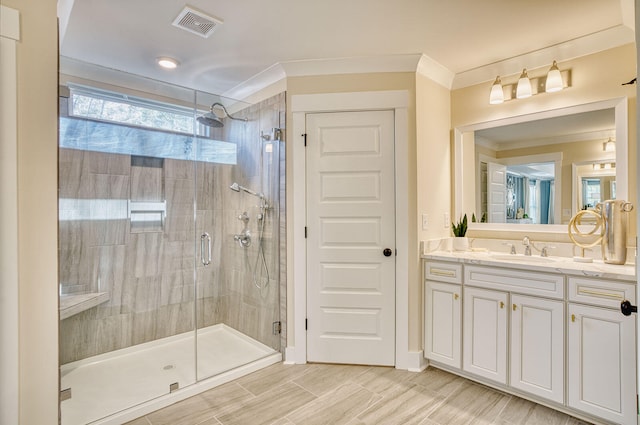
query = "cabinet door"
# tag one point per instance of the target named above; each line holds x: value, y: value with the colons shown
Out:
x: 601, y: 363
x: 485, y: 333
x: 442, y: 323
x: 537, y: 346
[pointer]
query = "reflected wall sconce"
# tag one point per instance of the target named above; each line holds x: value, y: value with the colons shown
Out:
x: 603, y: 166
x: 554, y: 81
x: 609, y: 145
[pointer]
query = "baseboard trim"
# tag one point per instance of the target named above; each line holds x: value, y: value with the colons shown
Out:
x: 416, y: 361
x: 289, y: 355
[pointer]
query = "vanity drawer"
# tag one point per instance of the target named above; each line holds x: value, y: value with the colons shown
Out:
x: 511, y: 280
x: 606, y: 293
x: 443, y: 272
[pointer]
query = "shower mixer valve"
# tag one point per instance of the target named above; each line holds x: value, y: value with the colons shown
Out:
x: 244, y: 237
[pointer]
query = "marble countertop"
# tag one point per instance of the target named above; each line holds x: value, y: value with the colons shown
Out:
x: 549, y: 264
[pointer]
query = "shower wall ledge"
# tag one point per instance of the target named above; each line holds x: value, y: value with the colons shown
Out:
x: 73, y: 304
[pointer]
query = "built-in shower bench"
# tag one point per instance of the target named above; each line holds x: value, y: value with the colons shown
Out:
x: 72, y: 304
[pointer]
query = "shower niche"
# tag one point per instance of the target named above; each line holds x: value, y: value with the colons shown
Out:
x: 167, y: 311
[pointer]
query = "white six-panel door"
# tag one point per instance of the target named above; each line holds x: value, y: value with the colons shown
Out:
x: 497, y: 192
x: 350, y: 222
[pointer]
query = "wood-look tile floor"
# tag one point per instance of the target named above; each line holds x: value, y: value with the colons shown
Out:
x: 316, y: 394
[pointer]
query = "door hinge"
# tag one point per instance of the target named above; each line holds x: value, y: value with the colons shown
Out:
x: 305, y: 232
x: 277, y: 327
x: 65, y: 394
x: 306, y: 324
x: 637, y: 405
x: 305, y: 138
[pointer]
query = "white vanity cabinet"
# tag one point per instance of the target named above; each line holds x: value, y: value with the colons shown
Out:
x: 443, y: 301
x: 485, y: 333
x: 549, y: 334
x: 518, y: 316
x: 601, y: 350
x: 537, y: 346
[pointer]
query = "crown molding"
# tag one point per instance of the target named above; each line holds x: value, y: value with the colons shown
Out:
x: 596, y: 42
x: 419, y: 63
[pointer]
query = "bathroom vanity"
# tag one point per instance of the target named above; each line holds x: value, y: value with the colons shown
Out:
x: 543, y: 328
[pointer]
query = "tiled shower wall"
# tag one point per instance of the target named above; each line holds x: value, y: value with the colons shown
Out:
x: 149, y: 275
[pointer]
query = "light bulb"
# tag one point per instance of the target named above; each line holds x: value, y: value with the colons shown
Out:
x: 554, y: 79
x: 524, y: 86
x: 497, y: 95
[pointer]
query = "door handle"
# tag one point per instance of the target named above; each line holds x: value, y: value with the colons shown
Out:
x: 387, y: 252
x: 205, y: 241
x: 626, y: 308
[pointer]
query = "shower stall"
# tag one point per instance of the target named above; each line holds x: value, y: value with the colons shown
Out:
x: 169, y: 227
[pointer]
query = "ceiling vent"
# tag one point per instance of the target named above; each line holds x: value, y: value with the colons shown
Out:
x: 196, y: 22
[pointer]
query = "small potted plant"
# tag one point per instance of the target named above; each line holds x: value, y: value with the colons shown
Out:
x: 460, y: 241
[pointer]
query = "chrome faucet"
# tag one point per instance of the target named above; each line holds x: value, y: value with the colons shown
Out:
x: 513, y: 247
x: 527, y: 245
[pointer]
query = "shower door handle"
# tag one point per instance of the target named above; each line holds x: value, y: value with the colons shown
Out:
x: 205, y: 242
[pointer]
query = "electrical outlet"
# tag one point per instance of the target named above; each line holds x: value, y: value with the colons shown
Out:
x: 447, y: 221
x: 425, y: 222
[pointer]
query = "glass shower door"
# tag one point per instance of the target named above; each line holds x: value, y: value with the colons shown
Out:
x: 237, y: 204
x: 127, y: 254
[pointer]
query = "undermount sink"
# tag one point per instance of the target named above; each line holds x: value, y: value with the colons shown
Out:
x: 519, y: 258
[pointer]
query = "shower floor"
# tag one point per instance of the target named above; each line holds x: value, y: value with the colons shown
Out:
x: 112, y: 382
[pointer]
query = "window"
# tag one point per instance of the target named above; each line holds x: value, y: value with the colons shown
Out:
x: 123, y: 109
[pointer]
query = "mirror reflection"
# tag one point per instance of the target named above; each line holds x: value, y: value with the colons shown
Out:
x: 544, y: 171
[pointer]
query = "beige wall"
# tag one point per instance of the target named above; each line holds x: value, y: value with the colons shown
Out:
x: 37, y: 211
x: 594, y: 78
x: 433, y: 160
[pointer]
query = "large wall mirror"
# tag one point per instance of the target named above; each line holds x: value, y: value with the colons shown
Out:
x: 534, y: 172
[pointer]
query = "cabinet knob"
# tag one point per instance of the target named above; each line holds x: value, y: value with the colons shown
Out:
x: 501, y: 304
x: 573, y: 317
x: 515, y: 307
x: 456, y: 296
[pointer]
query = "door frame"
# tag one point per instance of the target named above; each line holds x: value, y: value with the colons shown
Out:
x: 301, y: 105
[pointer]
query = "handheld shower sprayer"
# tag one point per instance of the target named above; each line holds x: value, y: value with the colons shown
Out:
x: 237, y: 188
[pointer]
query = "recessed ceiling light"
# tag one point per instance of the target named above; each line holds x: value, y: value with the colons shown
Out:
x: 168, y: 63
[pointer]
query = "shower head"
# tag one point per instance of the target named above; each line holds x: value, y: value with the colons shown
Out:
x: 213, y: 118
x: 237, y: 188
x: 210, y: 120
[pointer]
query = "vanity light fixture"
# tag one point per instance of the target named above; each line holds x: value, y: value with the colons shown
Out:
x: 554, y: 79
x: 609, y: 145
x: 524, y: 86
x: 497, y: 95
x: 167, y: 62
